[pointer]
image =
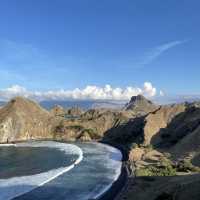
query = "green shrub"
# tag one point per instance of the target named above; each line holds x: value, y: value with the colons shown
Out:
x: 156, y: 171
x: 143, y: 172
x: 149, y: 147
x: 77, y: 127
x: 167, y: 155
x: 164, y: 169
x: 134, y: 145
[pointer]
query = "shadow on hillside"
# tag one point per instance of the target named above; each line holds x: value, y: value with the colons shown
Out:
x: 123, y: 136
x: 179, y: 127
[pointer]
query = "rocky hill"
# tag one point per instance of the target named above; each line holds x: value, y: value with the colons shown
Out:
x: 159, y: 140
x: 92, y: 125
x: 23, y: 119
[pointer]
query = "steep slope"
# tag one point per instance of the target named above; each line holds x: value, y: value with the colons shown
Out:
x: 184, y: 133
x: 162, y: 188
x: 23, y: 119
x: 147, y: 129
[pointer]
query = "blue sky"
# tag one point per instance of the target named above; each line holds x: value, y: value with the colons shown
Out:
x: 66, y: 44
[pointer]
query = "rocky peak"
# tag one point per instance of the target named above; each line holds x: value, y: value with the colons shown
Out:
x: 140, y: 105
x: 139, y: 98
x: 24, y: 104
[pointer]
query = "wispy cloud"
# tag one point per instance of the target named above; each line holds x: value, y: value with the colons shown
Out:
x: 155, y: 52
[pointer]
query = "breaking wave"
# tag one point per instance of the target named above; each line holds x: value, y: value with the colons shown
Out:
x: 16, y: 186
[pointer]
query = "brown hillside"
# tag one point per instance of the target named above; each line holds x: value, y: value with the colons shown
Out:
x: 23, y: 119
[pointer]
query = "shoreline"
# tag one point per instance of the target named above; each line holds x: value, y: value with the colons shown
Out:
x: 119, y: 184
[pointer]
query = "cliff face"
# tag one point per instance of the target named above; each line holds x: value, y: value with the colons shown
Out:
x: 23, y: 119
x: 184, y: 133
x: 176, y: 127
x: 156, y: 122
x: 146, y: 129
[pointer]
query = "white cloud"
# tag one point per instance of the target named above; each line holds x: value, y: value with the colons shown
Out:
x: 13, y: 91
x: 162, y: 93
x: 149, y: 89
x: 89, y: 92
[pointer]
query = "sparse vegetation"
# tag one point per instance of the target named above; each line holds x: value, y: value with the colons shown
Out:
x: 165, y: 168
x: 156, y: 171
x: 76, y: 127
x: 134, y: 145
x: 92, y: 133
x: 149, y: 147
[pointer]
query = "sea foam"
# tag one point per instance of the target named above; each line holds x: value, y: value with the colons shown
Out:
x: 111, y: 158
x: 16, y: 186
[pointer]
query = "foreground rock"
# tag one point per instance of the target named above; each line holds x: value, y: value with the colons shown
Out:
x: 162, y: 188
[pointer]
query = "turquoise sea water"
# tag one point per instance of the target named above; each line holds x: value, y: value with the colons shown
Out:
x: 57, y: 171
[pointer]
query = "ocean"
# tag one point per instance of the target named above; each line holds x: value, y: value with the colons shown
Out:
x: 57, y: 171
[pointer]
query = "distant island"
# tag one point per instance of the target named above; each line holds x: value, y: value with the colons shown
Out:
x: 161, y: 144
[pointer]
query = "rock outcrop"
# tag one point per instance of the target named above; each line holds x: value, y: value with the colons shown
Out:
x: 94, y: 122
x: 75, y: 111
x: 23, y: 119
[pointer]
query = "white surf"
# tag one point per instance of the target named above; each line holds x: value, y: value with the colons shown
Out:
x: 16, y: 186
